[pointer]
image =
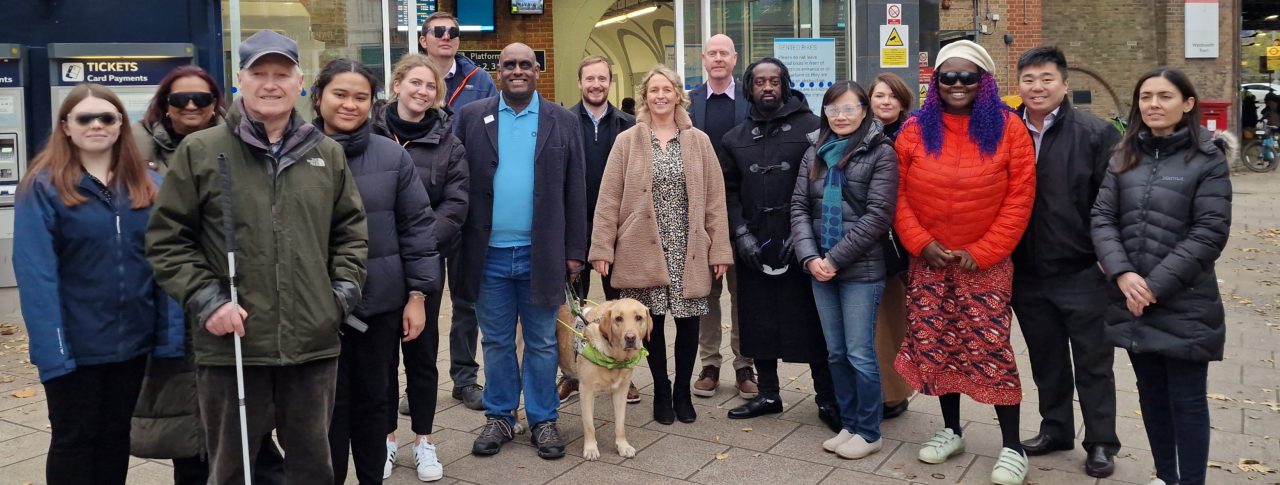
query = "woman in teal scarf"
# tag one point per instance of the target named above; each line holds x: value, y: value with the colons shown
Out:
x: 841, y: 212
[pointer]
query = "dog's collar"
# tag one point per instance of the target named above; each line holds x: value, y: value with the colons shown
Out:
x: 595, y: 356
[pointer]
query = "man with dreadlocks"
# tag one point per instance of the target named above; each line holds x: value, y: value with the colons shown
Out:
x: 777, y: 317
x: 967, y: 184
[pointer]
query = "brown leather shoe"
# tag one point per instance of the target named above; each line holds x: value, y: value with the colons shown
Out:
x: 633, y: 394
x: 707, y: 381
x: 747, y: 388
x: 567, y: 387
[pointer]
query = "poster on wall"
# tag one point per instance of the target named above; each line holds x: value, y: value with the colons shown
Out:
x: 425, y: 9
x: 1202, y: 29
x: 526, y: 6
x: 812, y: 64
x: 893, y: 45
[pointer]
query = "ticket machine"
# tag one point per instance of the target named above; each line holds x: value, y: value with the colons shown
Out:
x: 13, y: 152
x: 132, y: 71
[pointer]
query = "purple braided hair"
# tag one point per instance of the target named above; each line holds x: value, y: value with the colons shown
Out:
x: 986, y: 121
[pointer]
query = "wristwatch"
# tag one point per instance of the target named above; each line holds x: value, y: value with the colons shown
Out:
x: 417, y: 295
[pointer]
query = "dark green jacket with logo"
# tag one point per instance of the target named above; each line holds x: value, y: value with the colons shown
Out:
x: 300, y: 228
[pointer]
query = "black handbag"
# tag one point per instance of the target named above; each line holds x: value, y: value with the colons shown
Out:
x: 896, y: 257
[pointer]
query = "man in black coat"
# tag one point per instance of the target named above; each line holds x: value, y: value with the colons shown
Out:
x: 761, y: 159
x: 526, y: 163
x: 715, y: 108
x: 601, y: 124
x: 1058, y: 287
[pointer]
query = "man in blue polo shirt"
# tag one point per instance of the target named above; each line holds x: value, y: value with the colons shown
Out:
x: 526, y: 161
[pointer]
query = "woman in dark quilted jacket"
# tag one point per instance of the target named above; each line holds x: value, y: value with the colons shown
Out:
x: 1160, y: 222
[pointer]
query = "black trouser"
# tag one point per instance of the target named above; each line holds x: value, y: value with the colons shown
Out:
x: 464, y: 334
x: 1175, y: 412
x: 420, y: 371
x: 823, y: 385
x: 583, y: 285
x: 363, y: 398
x: 296, y: 400
x: 89, y: 414
x: 686, y: 351
x: 268, y: 468
x: 1061, y: 319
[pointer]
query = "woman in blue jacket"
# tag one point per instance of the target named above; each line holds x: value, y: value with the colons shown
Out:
x: 403, y: 269
x: 90, y: 304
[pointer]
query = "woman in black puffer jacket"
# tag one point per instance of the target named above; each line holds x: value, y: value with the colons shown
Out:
x: 1160, y: 222
x: 403, y: 267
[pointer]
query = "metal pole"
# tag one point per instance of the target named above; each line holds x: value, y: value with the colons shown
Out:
x: 853, y: 40
x: 412, y: 20
x: 706, y: 30
x: 817, y: 21
x: 680, y: 41
x: 234, y: 14
x: 386, y: 43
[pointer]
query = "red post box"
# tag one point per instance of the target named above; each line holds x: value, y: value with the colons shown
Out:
x: 1215, y: 115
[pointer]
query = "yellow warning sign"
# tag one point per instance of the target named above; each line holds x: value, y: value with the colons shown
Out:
x: 895, y: 40
x: 1273, y: 51
x: 1273, y: 58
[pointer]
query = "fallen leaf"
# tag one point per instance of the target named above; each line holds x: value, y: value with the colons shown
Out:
x: 756, y: 455
x: 722, y: 456
x: 939, y: 476
x: 8, y: 329
x: 1137, y: 412
x: 7, y: 379
x: 746, y: 430
x: 1218, y: 397
x: 717, y: 438
x: 24, y: 393
x: 898, y: 466
x: 1221, y: 466
x: 1251, y: 465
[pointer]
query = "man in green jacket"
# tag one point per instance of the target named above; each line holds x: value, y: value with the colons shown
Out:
x: 300, y: 262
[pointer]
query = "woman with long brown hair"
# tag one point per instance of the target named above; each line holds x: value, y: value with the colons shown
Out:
x: 91, y: 305
x: 186, y: 101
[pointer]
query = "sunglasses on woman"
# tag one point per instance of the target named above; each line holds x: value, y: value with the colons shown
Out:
x: 86, y: 119
x: 967, y: 78
x: 180, y: 100
x: 439, y: 31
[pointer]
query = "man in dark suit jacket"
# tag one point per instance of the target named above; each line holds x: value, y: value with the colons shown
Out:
x: 526, y: 161
x: 716, y: 107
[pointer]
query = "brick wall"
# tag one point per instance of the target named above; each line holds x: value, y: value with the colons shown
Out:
x: 534, y: 30
x: 1024, y: 28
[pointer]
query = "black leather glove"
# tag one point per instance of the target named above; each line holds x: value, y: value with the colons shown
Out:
x: 787, y: 251
x: 748, y: 250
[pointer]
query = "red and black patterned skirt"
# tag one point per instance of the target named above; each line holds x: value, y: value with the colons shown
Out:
x: 958, y: 333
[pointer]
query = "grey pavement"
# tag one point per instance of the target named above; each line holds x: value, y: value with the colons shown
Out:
x: 786, y: 448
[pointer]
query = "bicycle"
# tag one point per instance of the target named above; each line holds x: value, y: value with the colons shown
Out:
x: 1261, y: 155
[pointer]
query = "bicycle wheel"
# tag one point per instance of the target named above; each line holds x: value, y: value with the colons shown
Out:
x: 1251, y: 157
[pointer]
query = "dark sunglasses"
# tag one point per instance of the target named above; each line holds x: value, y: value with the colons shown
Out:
x: 180, y: 100
x: 968, y: 78
x: 439, y: 31
x: 86, y: 119
x: 512, y: 65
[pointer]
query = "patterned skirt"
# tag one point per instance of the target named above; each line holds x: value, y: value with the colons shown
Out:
x: 958, y: 333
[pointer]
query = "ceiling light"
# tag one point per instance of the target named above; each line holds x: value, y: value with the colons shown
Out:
x: 627, y: 16
x: 1271, y: 17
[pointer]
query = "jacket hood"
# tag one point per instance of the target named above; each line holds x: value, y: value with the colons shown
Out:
x: 437, y: 134
x: 353, y: 143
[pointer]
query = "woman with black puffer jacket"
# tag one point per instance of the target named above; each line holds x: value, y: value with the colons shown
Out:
x: 419, y: 121
x: 1161, y: 220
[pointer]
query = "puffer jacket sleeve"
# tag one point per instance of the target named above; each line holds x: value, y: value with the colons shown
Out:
x: 173, y: 238
x: 608, y: 216
x: 35, y: 264
x: 415, y: 224
x: 913, y: 235
x: 1206, y: 237
x: 451, y: 212
x: 348, y: 238
x: 874, y: 223
x: 1106, y: 229
x: 1015, y: 210
x: 717, y: 218
x: 802, y: 237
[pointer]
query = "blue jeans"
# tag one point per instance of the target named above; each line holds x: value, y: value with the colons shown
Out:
x: 505, y: 298
x: 848, y: 313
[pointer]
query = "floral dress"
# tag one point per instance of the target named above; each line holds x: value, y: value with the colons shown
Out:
x: 671, y: 204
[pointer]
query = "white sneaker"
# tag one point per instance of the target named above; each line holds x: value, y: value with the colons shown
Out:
x: 424, y: 458
x: 944, y: 444
x: 1010, y: 469
x: 857, y: 447
x: 832, y: 444
x: 391, y: 459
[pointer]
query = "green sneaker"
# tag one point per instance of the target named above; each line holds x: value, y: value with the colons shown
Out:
x: 944, y: 444
x: 1011, y: 468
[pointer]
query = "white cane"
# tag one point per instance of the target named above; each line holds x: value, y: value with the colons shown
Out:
x: 228, y: 227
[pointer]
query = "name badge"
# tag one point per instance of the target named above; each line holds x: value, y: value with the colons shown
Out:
x: 488, y: 119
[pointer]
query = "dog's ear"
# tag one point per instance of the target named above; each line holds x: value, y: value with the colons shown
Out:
x: 648, y: 324
x: 607, y: 325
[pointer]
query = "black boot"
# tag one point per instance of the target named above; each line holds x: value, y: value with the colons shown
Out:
x: 663, y: 412
x: 682, y: 400
x: 829, y: 414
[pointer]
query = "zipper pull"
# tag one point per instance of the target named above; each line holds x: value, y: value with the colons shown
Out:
x: 117, y: 224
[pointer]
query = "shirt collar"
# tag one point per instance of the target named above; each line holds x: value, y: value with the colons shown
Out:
x: 731, y: 91
x: 532, y: 108
x: 452, y: 70
x: 591, y: 115
x: 1048, y: 119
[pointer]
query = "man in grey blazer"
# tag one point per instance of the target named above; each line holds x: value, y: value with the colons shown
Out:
x: 716, y: 107
x: 526, y: 160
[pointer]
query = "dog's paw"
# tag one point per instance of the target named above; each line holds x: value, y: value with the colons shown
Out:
x: 625, y: 450
x: 519, y: 428
x: 590, y: 452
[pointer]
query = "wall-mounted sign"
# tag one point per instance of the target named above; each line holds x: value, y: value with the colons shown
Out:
x: 812, y: 64
x: 425, y: 9
x: 115, y: 72
x: 1201, y: 36
x: 893, y: 45
x: 526, y: 6
x: 488, y: 60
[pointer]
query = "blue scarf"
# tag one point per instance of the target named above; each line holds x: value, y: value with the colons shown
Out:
x: 832, y: 193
